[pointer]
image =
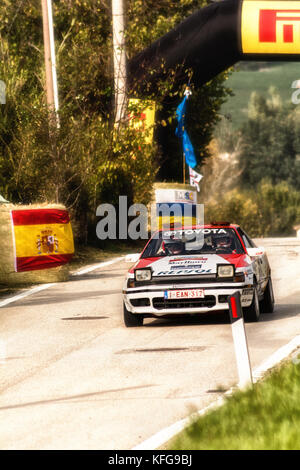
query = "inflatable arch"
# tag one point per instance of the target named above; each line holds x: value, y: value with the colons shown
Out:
x: 219, y: 35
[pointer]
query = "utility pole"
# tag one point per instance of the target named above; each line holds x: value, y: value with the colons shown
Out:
x: 50, y: 61
x: 51, y: 85
x: 120, y: 75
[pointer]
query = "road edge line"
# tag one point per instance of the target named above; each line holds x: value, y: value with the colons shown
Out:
x: 97, y: 266
x: 17, y: 297
x: 34, y: 290
x: 275, y: 358
x: 163, y: 436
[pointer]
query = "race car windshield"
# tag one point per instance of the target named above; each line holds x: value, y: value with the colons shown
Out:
x: 194, y: 242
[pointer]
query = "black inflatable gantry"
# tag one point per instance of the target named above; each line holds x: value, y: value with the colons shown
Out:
x: 216, y: 37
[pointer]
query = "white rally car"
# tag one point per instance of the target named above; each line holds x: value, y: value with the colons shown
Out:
x: 194, y: 270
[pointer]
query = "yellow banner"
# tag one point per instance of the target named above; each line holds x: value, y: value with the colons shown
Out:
x: 165, y: 222
x: 142, y: 117
x: 36, y: 240
x: 270, y: 27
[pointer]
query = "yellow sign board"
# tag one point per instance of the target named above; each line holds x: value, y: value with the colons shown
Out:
x: 269, y: 27
x: 142, y: 118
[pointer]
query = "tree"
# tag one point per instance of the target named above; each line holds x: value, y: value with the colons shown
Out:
x: 147, y: 21
x: 268, y: 210
x: 89, y: 163
x: 270, y: 142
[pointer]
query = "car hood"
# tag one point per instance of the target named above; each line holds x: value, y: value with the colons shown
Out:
x: 191, y: 264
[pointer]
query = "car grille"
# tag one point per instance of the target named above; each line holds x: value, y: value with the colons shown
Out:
x: 180, y: 280
x: 160, y: 303
x: 143, y: 302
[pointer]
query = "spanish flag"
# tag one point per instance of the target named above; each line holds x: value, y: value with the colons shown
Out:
x: 42, y: 238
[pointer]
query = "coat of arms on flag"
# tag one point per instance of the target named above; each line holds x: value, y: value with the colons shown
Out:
x: 195, y: 178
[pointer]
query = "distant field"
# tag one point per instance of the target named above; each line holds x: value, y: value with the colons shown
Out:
x: 243, y: 82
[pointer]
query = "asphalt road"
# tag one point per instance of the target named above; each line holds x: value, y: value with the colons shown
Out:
x: 73, y: 377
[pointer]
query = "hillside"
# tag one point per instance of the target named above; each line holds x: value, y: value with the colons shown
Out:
x: 258, y: 76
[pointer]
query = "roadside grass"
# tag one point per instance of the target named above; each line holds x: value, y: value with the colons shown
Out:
x: 90, y: 254
x: 243, y: 82
x: 263, y: 417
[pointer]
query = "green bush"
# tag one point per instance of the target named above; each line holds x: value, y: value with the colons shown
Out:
x: 263, y: 417
x: 84, y: 163
x: 267, y: 211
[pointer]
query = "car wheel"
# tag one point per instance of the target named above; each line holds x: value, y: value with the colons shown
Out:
x: 132, y: 320
x: 252, y: 313
x: 267, y: 303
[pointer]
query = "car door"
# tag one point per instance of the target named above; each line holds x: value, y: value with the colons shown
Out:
x: 262, y: 256
x: 260, y: 262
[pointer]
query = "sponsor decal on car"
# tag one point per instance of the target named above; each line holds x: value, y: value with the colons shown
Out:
x: 176, y: 233
x: 183, y: 271
x: 186, y: 261
x: 186, y: 265
x: 189, y: 263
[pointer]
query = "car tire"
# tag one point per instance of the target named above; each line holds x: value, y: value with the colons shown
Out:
x: 252, y: 313
x: 131, y: 319
x: 267, y: 303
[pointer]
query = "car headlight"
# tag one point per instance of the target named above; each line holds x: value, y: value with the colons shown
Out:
x: 143, y: 274
x: 225, y: 270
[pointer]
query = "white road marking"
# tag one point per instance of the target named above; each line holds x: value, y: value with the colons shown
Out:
x: 15, y: 298
x: 163, y: 436
x: 34, y: 290
x: 98, y: 266
x: 277, y: 357
x: 169, y: 432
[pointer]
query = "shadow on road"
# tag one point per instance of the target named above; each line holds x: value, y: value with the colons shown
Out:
x: 183, y: 320
x: 221, y: 318
x: 282, y: 311
x: 85, y: 318
x: 74, y: 397
x: 56, y: 297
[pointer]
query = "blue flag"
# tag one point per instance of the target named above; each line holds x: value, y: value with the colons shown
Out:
x: 188, y: 151
x: 180, y: 114
x: 180, y: 131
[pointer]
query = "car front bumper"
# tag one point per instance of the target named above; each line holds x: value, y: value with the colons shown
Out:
x: 150, y: 300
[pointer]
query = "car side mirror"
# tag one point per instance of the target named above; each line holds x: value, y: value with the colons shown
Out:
x: 132, y: 258
x: 257, y: 251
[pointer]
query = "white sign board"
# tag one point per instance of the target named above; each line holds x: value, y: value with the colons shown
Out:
x: 175, y: 195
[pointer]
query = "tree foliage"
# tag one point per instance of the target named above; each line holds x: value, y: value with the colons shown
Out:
x: 149, y: 20
x: 85, y: 162
x: 267, y: 210
x: 270, y: 142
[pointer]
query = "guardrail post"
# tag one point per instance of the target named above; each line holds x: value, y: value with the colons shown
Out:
x: 240, y: 340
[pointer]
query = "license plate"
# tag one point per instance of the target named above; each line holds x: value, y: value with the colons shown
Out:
x: 184, y: 294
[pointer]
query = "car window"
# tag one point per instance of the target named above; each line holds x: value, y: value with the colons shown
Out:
x: 246, y: 239
x: 186, y: 242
